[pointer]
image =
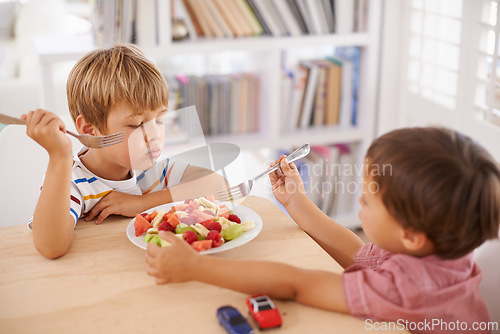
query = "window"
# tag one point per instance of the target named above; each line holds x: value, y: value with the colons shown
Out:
x: 449, y: 72
x: 487, y: 95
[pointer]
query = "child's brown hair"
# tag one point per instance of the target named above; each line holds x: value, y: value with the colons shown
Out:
x: 440, y: 182
x: 105, y: 78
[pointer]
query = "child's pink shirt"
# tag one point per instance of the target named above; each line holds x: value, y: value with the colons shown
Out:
x: 429, y: 292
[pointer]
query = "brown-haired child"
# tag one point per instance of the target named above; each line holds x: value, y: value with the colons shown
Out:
x: 430, y: 196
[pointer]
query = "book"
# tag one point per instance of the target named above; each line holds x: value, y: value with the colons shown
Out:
x: 316, y: 13
x: 330, y: 20
x: 181, y: 12
x: 249, y: 17
x: 218, y: 18
x: 346, y: 187
x: 239, y: 17
x: 353, y: 55
x: 309, y: 94
x: 344, y: 16
x: 235, y: 102
x: 196, y: 24
x: 346, y: 97
x: 229, y: 18
x: 320, y: 99
x: 298, y: 16
x: 329, y: 174
x: 201, y: 18
x: 259, y: 17
x: 205, y: 10
x: 304, y: 11
x: 287, y: 17
x: 333, y: 91
x: 286, y: 97
x: 300, y: 74
x: 270, y: 17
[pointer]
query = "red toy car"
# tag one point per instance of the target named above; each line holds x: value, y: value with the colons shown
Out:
x: 262, y: 309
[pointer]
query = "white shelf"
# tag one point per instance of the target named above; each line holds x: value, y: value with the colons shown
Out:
x: 263, y: 43
x: 265, y: 56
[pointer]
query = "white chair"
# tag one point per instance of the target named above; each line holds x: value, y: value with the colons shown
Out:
x: 487, y: 256
x: 22, y: 168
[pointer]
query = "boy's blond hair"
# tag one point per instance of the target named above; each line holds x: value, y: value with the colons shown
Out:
x: 105, y: 78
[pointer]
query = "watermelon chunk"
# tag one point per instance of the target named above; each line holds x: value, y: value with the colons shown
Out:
x: 224, y: 211
x: 141, y: 225
x: 202, y: 245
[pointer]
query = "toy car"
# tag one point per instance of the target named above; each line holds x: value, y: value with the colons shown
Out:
x: 232, y: 321
x: 264, y: 312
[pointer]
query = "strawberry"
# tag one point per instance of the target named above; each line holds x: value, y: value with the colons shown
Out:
x: 215, y: 237
x: 190, y: 236
x: 214, y: 226
x: 234, y: 218
x: 165, y: 226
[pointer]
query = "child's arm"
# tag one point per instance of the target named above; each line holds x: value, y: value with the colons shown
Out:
x: 340, y: 242
x: 180, y: 263
x: 196, y: 182
x: 52, y: 224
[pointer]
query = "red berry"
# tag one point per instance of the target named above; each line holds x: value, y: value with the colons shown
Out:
x: 165, y: 226
x: 234, y: 218
x: 190, y: 236
x: 207, y: 222
x: 214, y: 226
x: 215, y: 237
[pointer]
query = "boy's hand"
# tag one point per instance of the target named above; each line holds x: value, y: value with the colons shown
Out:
x: 116, y: 203
x: 287, y: 185
x: 173, y: 263
x: 48, y: 130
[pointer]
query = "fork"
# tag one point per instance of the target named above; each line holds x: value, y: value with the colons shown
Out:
x: 87, y: 140
x: 243, y: 189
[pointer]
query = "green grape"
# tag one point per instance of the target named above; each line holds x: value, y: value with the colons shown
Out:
x: 148, y: 237
x: 232, y: 232
x: 181, y: 228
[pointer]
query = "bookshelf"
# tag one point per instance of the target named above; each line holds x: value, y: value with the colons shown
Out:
x: 266, y: 54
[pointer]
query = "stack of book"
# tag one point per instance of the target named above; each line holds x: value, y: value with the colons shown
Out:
x: 331, y: 177
x: 243, y: 18
x: 322, y: 92
x: 133, y: 21
x: 226, y: 104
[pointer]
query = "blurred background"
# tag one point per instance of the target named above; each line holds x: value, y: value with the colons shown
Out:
x: 335, y: 74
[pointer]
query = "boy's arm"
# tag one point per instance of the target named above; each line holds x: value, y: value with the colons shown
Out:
x: 340, y: 242
x: 180, y: 263
x: 52, y: 223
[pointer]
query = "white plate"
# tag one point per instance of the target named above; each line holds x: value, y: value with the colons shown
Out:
x: 241, y: 211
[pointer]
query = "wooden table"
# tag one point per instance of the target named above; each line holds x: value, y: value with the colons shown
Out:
x: 101, y: 285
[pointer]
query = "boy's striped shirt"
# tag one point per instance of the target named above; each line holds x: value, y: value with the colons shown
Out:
x: 87, y: 189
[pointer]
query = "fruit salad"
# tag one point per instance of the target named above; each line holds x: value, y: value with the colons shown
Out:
x: 201, y: 222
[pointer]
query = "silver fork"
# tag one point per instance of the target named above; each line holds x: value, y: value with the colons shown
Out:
x: 87, y: 140
x: 243, y: 189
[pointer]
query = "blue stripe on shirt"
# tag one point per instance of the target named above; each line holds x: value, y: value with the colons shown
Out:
x: 74, y: 213
x: 85, y: 180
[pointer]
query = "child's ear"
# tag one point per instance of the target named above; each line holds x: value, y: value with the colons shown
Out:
x: 84, y: 127
x: 416, y: 242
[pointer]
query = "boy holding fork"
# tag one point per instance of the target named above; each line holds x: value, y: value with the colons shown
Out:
x: 109, y: 91
x: 430, y: 197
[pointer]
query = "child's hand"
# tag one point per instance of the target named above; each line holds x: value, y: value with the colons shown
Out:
x: 287, y: 185
x: 116, y: 203
x: 173, y: 263
x: 48, y: 130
